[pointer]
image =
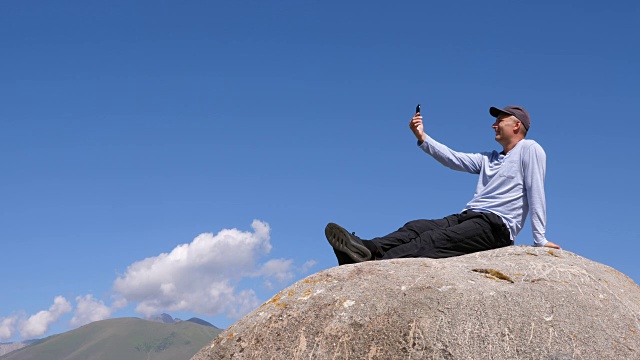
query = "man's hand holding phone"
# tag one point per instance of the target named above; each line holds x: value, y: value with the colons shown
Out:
x: 416, y: 125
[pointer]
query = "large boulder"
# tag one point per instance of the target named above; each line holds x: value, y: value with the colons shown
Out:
x: 512, y: 303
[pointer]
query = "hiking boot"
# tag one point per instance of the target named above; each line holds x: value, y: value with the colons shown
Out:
x: 343, y: 258
x: 346, y: 243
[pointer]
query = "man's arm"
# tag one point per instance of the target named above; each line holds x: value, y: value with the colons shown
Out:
x: 471, y: 163
x: 534, y: 166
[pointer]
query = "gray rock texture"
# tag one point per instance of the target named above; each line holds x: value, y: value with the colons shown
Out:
x: 512, y: 303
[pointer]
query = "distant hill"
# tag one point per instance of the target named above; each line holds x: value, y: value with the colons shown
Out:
x: 168, y: 319
x: 118, y: 339
x: 6, y: 348
x: 163, y: 318
x: 201, y: 322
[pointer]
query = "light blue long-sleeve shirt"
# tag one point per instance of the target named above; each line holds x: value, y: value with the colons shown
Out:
x: 509, y: 186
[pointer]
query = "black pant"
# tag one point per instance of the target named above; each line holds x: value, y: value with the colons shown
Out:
x: 457, y: 234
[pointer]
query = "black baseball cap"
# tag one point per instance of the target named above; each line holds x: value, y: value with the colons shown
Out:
x: 516, y: 111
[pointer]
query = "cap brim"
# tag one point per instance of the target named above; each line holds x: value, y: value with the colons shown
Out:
x: 495, y: 112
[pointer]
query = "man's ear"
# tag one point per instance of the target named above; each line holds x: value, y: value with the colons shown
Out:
x: 517, y: 126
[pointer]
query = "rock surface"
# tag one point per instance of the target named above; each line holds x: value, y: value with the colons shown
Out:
x: 512, y: 303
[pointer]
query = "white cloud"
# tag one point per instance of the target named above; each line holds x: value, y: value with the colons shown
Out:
x: 307, y: 266
x: 89, y: 310
x: 38, y: 324
x: 7, y: 327
x: 280, y: 269
x: 202, y: 276
x: 119, y: 302
x: 245, y: 302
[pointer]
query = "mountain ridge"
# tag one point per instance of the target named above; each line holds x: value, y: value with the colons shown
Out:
x: 168, y: 319
x: 121, y: 338
x: 8, y: 347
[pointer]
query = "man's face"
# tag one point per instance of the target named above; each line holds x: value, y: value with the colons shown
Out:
x: 504, y: 128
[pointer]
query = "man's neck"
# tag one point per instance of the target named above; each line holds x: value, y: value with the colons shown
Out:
x: 510, y: 146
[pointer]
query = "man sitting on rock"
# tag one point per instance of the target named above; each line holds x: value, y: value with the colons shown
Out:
x: 511, y: 185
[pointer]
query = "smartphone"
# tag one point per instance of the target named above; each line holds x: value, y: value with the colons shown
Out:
x: 418, y: 109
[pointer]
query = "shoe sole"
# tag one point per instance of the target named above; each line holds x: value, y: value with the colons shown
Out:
x: 341, y: 240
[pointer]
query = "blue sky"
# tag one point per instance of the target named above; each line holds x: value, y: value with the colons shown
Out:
x: 184, y: 157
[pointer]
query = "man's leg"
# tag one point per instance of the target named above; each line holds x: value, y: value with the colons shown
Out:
x: 469, y: 232
x: 409, y: 232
